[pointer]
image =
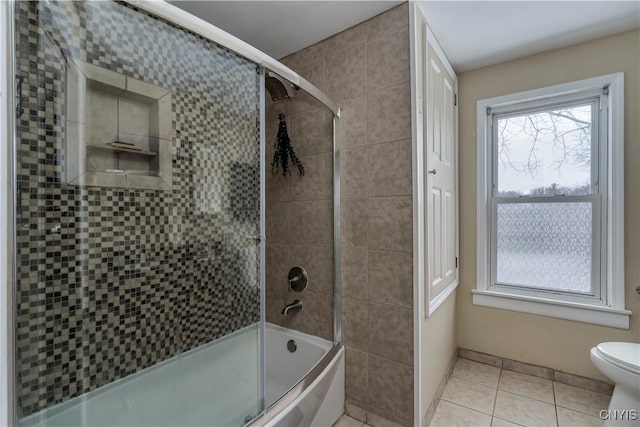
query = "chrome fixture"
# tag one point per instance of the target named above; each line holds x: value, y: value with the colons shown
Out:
x: 278, y: 87
x: 294, y: 307
x: 298, y: 279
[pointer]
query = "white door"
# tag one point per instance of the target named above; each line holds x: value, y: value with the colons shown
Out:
x: 441, y: 170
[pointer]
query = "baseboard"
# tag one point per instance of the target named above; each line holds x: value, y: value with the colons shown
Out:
x: 538, y: 371
x: 443, y: 383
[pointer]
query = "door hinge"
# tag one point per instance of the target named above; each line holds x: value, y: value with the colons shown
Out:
x: 456, y: 262
x: 455, y: 99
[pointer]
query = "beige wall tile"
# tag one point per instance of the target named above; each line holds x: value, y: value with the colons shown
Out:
x: 355, y: 223
x: 390, y: 169
x: 312, y: 222
x: 316, y: 317
x: 527, y: 385
x: 451, y: 415
x: 340, y: 67
x: 389, y: 114
x: 313, y: 260
x: 355, y: 324
x: 277, y: 222
x: 354, y: 36
x: 477, y: 372
x: 317, y: 181
x: 569, y: 418
x: 391, y: 332
x: 391, y: 223
x: 354, y: 173
x: 278, y: 187
x: 353, y: 137
x: 391, y: 278
x: 308, y: 132
x: 388, y: 59
x: 313, y: 53
x: 353, y: 122
x: 524, y: 411
x: 390, y: 20
x: 471, y: 395
x: 391, y: 386
x: 578, y: 399
x: 355, y: 273
x: 356, y: 374
x: 347, y: 73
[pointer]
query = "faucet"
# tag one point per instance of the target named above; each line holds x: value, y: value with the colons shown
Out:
x: 294, y: 307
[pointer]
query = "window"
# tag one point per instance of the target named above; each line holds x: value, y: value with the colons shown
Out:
x: 550, y: 208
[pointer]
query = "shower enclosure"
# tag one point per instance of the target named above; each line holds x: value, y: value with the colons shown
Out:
x: 152, y: 242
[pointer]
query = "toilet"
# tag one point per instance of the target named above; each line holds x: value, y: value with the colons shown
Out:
x: 620, y: 362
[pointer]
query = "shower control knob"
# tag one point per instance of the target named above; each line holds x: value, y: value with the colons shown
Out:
x: 298, y: 279
x: 432, y: 171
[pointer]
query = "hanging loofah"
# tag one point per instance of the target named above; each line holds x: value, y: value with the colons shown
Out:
x: 284, y: 151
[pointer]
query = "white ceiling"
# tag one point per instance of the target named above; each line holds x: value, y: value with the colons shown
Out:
x: 279, y: 27
x: 478, y: 33
x: 472, y: 33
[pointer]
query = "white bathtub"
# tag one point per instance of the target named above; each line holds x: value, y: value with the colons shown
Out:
x: 215, y: 385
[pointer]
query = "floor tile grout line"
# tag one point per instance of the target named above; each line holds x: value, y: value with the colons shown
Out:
x: 555, y: 403
x: 577, y: 410
x: 464, y: 406
x: 528, y: 397
x: 495, y: 399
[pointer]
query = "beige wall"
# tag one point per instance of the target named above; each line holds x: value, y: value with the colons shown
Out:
x: 437, y: 333
x: 559, y: 344
x: 366, y: 71
x: 438, y: 342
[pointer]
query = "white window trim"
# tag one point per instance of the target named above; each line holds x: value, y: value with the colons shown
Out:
x: 610, y: 310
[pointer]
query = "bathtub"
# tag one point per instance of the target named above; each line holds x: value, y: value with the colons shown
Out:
x: 217, y: 384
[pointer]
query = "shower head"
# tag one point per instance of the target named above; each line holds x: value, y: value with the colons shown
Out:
x: 278, y: 87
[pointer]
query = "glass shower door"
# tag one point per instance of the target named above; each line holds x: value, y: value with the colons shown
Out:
x: 138, y: 204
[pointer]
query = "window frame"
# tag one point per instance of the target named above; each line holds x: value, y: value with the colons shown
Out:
x: 605, y: 304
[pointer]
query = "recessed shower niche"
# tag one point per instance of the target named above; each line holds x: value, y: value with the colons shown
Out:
x: 119, y: 130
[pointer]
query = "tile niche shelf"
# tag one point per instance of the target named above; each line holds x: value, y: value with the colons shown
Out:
x: 119, y: 130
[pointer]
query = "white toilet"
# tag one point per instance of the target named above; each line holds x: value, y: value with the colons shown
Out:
x: 620, y: 362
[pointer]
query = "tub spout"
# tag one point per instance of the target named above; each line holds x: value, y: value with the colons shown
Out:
x: 294, y: 307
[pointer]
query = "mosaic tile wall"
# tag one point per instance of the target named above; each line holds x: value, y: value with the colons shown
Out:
x: 111, y: 280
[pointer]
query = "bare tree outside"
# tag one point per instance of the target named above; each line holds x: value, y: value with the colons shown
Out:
x: 545, y: 153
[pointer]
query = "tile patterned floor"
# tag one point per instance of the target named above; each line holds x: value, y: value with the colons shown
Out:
x: 483, y: 395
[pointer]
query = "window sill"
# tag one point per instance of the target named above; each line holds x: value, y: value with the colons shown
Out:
x: 597, y: 315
